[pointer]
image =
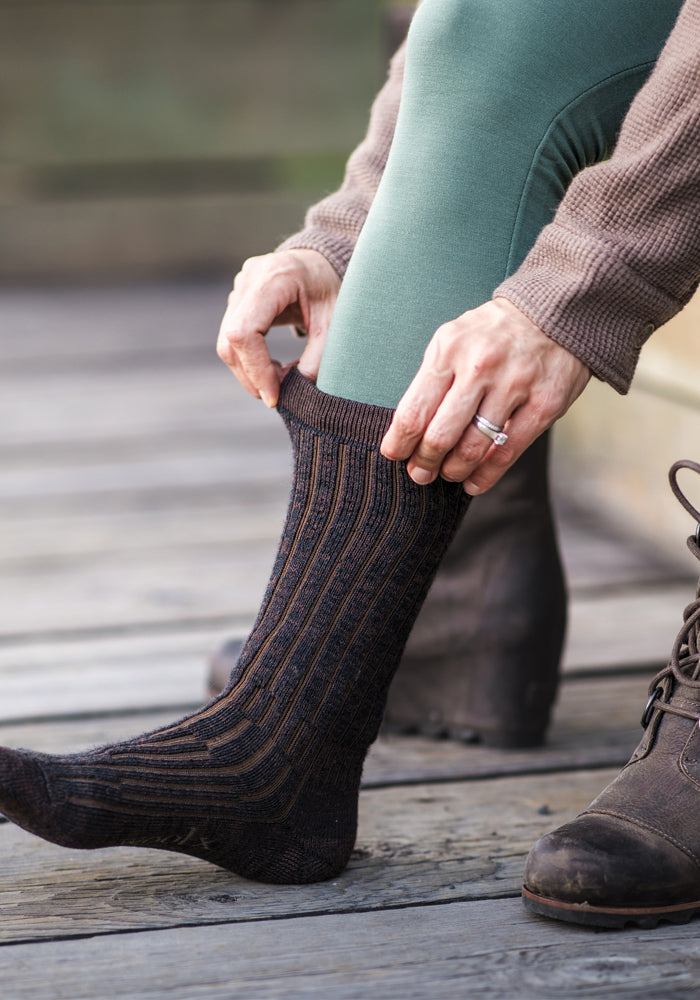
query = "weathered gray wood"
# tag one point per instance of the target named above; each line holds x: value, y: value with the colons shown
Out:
x: 53, y: 679
x: 85, y: 326
x: 600, y: 555
x: 596, y: 723
x: 224, y: 584
x: 33, y: 543
x: 188, y: 588
x: 138, y: 670
x: 82, y: 410
x: 630, y: 628
x: 419, y: 844
x: 483, y: 949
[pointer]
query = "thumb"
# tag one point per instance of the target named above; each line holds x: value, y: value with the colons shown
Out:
x: 310, y: 361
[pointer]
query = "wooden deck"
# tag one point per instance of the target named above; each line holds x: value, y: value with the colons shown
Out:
x: 141, y: 497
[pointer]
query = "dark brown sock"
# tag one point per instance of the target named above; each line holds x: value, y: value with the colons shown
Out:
x: 264, y: 779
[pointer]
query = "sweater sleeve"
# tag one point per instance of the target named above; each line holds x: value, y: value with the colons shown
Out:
x: 622, y: 254
x: 333, y: 225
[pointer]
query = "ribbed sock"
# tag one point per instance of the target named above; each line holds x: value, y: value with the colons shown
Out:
x: 264, y: 779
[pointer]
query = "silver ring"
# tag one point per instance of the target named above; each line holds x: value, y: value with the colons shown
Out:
x: 490, y: 430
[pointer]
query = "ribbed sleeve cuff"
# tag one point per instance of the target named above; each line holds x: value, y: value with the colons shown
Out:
x: 590, y: 301
x: 336, y: 250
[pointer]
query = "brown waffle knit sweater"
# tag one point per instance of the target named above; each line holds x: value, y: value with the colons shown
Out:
x: 622, y: 254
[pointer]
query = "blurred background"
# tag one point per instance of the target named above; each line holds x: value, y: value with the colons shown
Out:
x: 166, y: 137
x: 166, y: 140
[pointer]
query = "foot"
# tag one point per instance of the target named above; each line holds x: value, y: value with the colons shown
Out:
x: 633, y: 857
x: 264, y: 779
x: 216, y: 785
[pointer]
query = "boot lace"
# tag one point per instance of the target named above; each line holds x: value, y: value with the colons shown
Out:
x: 684, y: 663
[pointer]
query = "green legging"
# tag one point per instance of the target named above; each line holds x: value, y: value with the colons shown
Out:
x: 504, y: 101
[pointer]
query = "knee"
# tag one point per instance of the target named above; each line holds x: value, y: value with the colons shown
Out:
x: 439, y: 25
x: 491, y: 41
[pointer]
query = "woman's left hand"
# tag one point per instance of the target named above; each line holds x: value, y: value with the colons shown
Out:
x: 493, y: 361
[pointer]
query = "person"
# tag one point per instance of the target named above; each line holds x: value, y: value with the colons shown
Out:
x: 422, y: 400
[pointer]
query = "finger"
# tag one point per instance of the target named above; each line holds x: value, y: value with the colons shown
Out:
x: 310, y: 360
x: 416, y: 409
x: 475, y: 443
x: 444, y: 432
x: 523, y: 429
x: 241, y: 345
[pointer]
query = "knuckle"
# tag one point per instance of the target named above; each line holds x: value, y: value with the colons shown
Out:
x: 223, y: 350
x: 409, y: 420
x: 502, y: 457
x: 235, y: 337
x: 470, y: 451
x: 436, y: 441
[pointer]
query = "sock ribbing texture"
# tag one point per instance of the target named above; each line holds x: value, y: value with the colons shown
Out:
x: 264, y: 780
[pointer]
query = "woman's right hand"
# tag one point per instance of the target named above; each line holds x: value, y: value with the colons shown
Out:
x: 296, y: 287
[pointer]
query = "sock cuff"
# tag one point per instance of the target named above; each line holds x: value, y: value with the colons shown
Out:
x: 361, y: 423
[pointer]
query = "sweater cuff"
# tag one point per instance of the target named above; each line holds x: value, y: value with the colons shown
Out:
x: 336, y: 251
x: 589, y: 301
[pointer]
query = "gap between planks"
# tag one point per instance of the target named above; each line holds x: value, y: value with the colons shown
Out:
x: 481, y: 949
x: 416, y: 845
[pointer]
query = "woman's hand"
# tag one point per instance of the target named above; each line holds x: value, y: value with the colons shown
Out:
x: 298, y: 287
x: 493, y: 361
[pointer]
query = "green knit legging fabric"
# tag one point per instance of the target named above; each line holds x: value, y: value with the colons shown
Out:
x: 504, y: 101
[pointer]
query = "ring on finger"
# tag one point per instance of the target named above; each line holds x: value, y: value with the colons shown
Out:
x: 492, y: 431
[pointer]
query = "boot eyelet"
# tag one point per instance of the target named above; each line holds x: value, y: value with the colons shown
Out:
x: 649, y: 708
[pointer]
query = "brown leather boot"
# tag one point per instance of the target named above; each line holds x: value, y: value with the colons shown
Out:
x: 633, y: 857
x: 482, y: 661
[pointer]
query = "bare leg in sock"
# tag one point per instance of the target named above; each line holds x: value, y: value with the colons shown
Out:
x: 264, y: 780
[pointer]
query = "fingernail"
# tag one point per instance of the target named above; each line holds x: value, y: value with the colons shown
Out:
x: 471, y: 488
x: 421, y: 476
x: 268, y: 400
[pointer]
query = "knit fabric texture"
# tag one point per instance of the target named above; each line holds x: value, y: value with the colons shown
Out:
x: 622, y: 255
x: 264, y: 779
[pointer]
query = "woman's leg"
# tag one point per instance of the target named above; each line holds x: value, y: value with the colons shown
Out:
x: 264, y: 779
x: 504, y: 103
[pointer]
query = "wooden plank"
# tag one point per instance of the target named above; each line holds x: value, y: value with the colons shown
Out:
x: 483, y: 949
x: 224, y: 582
x: 600, y: 555
x: 596, y: 721
x: 33, y: 543
x: 630, y: 629
x: 106, y: 675
x: 416, y: 845
x: 85, y: 409
x: 203, y: 586
x: 88, y: 325
x: 201, y: 467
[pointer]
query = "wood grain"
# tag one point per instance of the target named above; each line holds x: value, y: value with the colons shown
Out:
x: 416, y: 845
x: 485, y: 949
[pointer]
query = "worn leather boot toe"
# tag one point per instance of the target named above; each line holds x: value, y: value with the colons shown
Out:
x: 608, y: 872
x: 633, y: 857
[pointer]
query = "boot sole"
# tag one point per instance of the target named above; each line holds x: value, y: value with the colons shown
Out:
x: 614, y: 918
x: 497, y: 739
